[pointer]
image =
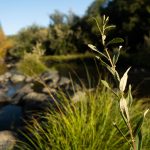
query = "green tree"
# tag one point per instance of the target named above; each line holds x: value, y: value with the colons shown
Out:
x: 5, y: 44
x: 27, y: 38
x: 72, y: 18
x: 95, y: 8
x: 61, y: 37
x: 131, y: 18
x: 57, y: 17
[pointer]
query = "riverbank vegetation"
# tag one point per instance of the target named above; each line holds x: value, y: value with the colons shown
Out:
x: 104, y: 116
x: 100, y: 119
x: 70, y: 34
x: 84, y: 124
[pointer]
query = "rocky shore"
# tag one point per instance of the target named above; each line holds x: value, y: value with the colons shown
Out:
x: 22, y: 97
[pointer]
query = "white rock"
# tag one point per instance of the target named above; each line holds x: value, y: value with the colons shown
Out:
x: 7, y: 140
x: 17, y: 78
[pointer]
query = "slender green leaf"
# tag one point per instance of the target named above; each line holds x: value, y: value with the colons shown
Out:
x: 92, y: 47
x: 146, y: 112
x: 106, y: 65
x: 115, y: 41
x: 110, y: 27
x: 96, y: 50
x: 129, y: 97
x: 117, y: 76
x: 115, y: 125
x: 100, y: 30
x: 139, y: 123
x: 105, y: 84
x: 138, y: 140
x: 123, y: 80
x: 106, y: 20
x: 116, y: 56
x: 138, y: 126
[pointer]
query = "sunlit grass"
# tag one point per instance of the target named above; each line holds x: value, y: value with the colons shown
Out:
x: 31, y: 65
x: 67, y: 57
x: 86, y: 124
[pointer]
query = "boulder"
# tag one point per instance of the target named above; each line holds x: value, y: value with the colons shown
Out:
x: 28, y: 79
x: 22, y: 92
x: 64, y: 81
x: 34, y: 96
x: 4, y: 77
x: 7, y: 140
x: 48, y: 90
x: 35, y: 101
x: 17, y: 78
x: 8, y: 75
x: 51, y: 78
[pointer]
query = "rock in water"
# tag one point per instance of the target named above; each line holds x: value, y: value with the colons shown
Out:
x: 17, y: 78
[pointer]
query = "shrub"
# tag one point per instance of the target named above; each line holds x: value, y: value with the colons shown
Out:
x: 31, y: 63
x: 26, y: 39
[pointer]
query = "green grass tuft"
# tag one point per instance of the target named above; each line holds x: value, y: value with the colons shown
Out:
x: 31, y: 65
x: 86, y: 124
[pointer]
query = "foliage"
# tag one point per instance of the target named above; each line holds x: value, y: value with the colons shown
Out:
x: 57, y: 17
x: 124, y: 100
x: 69, y: 34
x: 142, y: 56
x: 27, y: 38
x: 132, y: 23
x: 131, y: 19
x: 86, y: 124
x: 94, y: 9
x: 61, y: 36
x: 31, y: 63
x: 5, y: 44
x: 69, y: 57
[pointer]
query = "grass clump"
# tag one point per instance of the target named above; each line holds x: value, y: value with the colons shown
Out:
x: 83, y: 124
x: 86, y: 124
x: 31, y: 63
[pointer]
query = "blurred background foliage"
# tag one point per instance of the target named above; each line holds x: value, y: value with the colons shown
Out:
x: 5, y: 44
x: 70, y: 34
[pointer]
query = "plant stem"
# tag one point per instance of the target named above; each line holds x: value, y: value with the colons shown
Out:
x: 109, y: 58
x: 131, y: 134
